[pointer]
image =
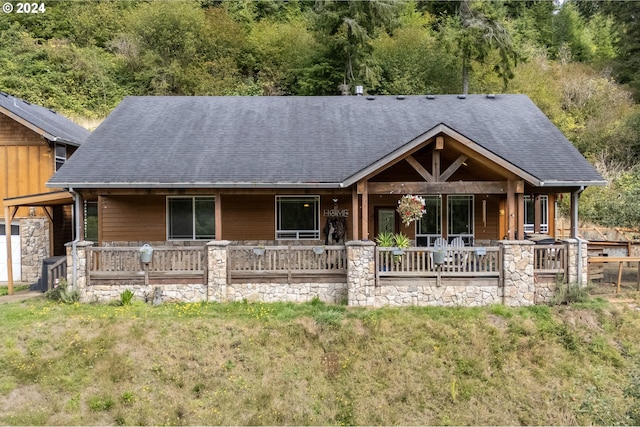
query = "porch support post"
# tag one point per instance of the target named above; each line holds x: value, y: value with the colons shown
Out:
x: 355, y: 215
x: 218, y: 216
x: 520, y: 199
x: 537, y: 208
x: 217, y: 270
x: 511, y: 208
x: 363, y: 188
x: 361, y: 277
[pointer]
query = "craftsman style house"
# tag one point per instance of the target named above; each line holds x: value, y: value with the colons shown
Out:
x: 34, y: 143
x: 324, y: 170
x: 275, y: 168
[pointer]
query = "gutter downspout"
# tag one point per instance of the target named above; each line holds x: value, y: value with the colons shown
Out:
x: 574, y: 201
x: 76, y: 237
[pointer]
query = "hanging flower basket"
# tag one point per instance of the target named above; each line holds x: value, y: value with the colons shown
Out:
x: 411, y: 208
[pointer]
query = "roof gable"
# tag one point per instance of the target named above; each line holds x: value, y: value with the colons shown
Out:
x: 309, y: 141
x: 43, y: 121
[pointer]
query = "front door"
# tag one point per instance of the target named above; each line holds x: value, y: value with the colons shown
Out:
x: 385, y: 220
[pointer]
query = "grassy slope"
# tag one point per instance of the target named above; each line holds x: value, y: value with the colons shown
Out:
x: 274, y: 364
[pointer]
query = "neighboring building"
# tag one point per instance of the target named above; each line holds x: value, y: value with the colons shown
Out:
x: 34, y: 143
x: 280, y: 168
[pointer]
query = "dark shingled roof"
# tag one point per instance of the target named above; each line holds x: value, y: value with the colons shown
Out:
x: 306, y: 141
x: 43, y: 121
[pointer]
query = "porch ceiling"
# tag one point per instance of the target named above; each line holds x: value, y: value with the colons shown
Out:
x: 55, y: 198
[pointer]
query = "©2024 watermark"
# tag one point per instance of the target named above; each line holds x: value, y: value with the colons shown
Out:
x: 24, y: 8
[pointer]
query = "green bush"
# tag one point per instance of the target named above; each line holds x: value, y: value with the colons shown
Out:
x: 62, y: 293
x: 569, y: 293
x: 126, y: 297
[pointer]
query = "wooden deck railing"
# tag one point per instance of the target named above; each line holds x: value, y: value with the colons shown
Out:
x: 56, y: 272
x: 246, y: 261
x: 122, y: 262
x: 550, y: 259
x: 419, y: 262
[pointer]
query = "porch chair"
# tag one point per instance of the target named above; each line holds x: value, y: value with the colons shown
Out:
x: 441, y: 243
x: 459, y: 257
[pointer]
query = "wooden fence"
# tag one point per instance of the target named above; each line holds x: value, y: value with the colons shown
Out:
x: 321, y: 263
x: 186, y: 262
x: 550, y: 259
x: 421, y: 262
x: 56, y: 272
x: 250, y: 263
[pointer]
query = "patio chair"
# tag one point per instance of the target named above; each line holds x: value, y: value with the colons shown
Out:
x: 439, y: 243
x: 459, y: 257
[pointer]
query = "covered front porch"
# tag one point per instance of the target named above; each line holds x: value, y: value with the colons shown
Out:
x: 358, y: 273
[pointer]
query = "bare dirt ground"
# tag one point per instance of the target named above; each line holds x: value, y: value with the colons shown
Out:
x: 607, y: 286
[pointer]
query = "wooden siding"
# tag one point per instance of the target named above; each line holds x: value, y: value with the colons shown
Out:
x: 247, y: 217
x: 132, y: 218
x: 490, y: 229
x: 26, y: 162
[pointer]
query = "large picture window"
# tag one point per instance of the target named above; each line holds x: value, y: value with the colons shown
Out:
x: 530, y: 214
x: 297, y: 217
x: 428, y: 228
x: 191, y: 218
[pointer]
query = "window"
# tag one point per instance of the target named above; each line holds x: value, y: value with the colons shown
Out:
x: 60, y: 155
x: 191, y: 218
x: 297, y: 217
x: 91, y: 221
x: 15, y: 230
x: 429, y: 228
x: 530, y: 214
x: 460, y: 218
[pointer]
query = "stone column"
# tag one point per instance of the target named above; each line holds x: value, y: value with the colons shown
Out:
x: 361, y: 273
x: 217, y: 258
x: 517, y: 272
x: 80, y: 265
x: 35, y: 245
x: 572, y: 261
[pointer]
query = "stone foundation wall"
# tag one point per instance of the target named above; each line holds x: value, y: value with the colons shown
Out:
x: 331, y: 293
x: 148, y: 293
x: 516, y: 286
x: 35, y: 245
x: 446, y: 295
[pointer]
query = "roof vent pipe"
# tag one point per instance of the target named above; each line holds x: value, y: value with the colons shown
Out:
x: 359, y: 90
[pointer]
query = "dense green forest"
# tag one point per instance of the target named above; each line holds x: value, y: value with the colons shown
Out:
x: 577, y: 60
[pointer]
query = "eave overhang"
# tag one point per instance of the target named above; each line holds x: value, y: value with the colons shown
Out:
x: 417, y: 142
x: 26, y: 123
x: 198, y: 185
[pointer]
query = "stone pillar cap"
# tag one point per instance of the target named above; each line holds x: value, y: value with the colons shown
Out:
x: 360, y: 243
x: 220, y: 243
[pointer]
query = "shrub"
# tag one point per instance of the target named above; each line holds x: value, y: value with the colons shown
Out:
x: 126, y: 297
x: 62, y: 293
x: 569, y: 293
